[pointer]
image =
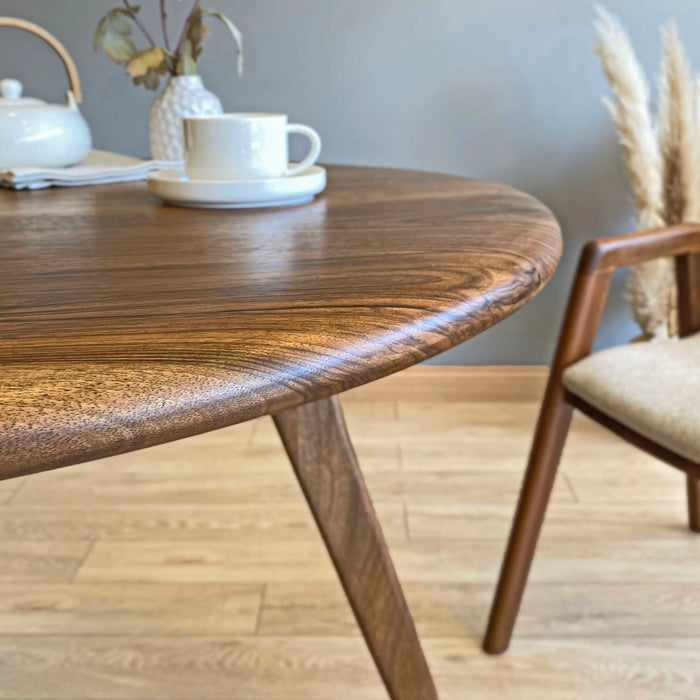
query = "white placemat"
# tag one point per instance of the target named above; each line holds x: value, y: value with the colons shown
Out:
x: 98, y: 168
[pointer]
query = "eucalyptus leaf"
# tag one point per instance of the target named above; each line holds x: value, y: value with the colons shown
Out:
x: 143, y: 61
x: 197, y: 33
x: 112, y: 36
x: 235, y: 33
x: 151, y: 78
x: 192, y: 46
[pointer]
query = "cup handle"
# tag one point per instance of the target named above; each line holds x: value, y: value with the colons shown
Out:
x: 314, y: 153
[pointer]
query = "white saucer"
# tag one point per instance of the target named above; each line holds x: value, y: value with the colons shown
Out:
x: 173, y: 187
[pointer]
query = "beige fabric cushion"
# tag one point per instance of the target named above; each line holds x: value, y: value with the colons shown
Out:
x: 652, y: 388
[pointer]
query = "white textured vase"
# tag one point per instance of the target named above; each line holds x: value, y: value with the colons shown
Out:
x: 184, y: 96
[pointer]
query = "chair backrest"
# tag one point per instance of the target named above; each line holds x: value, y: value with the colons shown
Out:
x: 688, y: 279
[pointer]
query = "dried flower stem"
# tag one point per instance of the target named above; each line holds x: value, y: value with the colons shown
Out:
x: 147, y: 66
x: 138, y: 23
x: 164, y: 22
x: 188, y: 24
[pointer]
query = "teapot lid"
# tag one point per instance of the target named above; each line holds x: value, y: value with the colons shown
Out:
x: 11, y: 95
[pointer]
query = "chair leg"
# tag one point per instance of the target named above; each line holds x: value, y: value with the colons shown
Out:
x: 547, y: 446
x: 693, y: 486
x: 321, y: 453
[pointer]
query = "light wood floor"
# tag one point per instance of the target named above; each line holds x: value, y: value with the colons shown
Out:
x: 193, y: 571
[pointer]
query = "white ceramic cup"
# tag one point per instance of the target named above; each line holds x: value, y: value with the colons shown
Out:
x: 246, y: 146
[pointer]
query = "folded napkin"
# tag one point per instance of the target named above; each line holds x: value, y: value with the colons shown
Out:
x: 98, y: 168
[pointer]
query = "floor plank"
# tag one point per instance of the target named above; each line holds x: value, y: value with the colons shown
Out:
x: 456, y: 561
x: 580, y: 455
x: 553, y: 669
x: 186, y: 668
x: 453, y: 488
x: 129, y: 609
x: 576, y: 610
x: 556, y: 561
x: 257, y: 521
x: 237, y: 561
x: 251, y: 475
x: 38, y: 561
x: 641, y: 520
x: 280, y: 668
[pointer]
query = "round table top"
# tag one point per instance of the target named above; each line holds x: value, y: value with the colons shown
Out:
x: 126, y: 323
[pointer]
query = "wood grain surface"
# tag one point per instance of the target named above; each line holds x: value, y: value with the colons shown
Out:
x: 319, y: 448
x: 125, y: 324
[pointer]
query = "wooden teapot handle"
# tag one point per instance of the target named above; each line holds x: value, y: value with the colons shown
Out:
x: 55, y: 44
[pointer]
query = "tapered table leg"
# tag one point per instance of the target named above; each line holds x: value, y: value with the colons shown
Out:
x: 318, y: 445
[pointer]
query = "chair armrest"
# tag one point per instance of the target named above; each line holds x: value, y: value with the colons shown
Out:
x: 607, y: 254
x: 599, y: 259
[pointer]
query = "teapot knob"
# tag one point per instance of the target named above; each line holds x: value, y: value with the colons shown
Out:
x: 10, y: 88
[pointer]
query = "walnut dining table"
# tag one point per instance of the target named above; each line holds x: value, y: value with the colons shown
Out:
x: 125, y: 323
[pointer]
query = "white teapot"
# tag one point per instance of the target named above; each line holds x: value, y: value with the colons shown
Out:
x: 34, y: 133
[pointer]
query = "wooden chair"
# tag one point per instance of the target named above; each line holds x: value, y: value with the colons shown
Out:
x: 647, y: 393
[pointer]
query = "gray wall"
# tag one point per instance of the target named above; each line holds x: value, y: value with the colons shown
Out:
x: 507, y: 90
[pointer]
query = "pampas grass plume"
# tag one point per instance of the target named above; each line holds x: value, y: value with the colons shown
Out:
x: 662, y: 162
x: 632, y: 116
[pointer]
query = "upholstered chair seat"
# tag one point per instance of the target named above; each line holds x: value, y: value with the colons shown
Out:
x: 652, y: 388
